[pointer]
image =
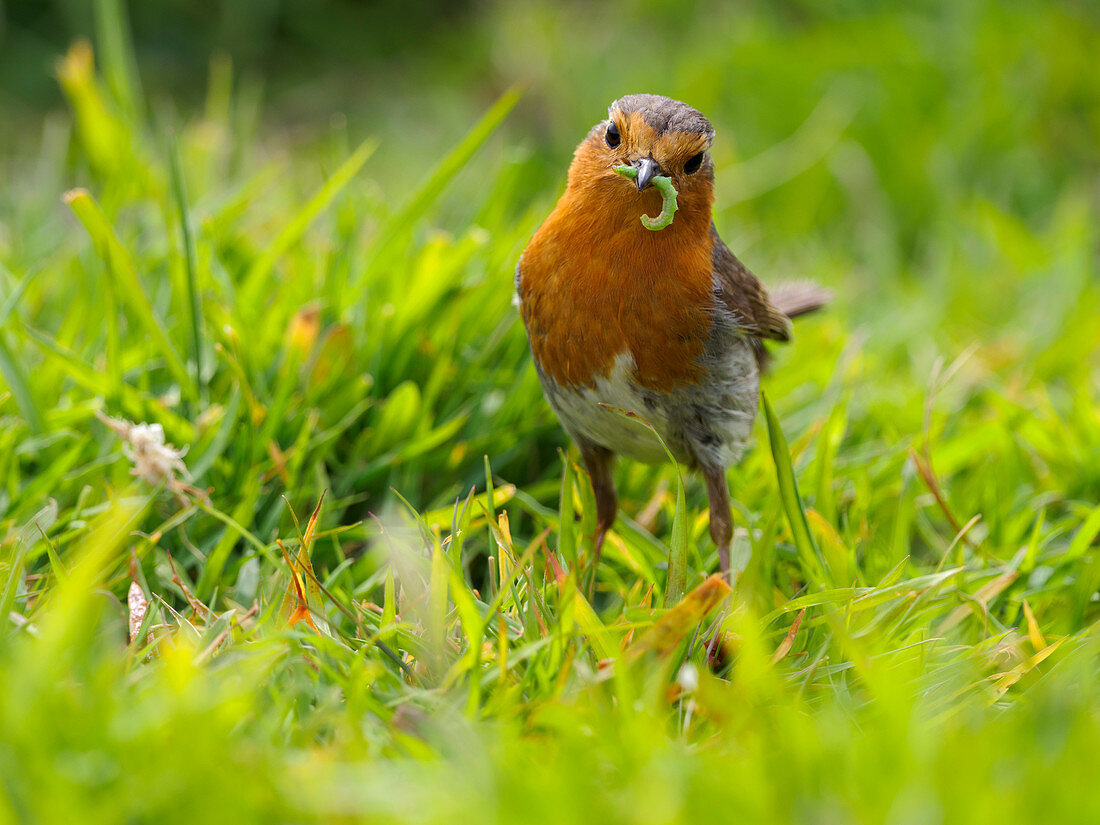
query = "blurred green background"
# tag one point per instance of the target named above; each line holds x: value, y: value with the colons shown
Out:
x: 357, y: 181
x: 866, y: 122
x: 978, y: 97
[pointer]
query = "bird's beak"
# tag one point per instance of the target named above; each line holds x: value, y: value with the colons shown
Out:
x: 647, y: 168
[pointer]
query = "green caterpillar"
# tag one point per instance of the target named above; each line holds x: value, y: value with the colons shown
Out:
x: 668, y: 193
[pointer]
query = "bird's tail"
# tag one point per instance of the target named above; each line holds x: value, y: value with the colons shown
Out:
x: 796, y: 298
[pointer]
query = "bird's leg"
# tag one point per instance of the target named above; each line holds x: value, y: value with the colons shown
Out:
x: 721, y: 516
x: 598, y: 462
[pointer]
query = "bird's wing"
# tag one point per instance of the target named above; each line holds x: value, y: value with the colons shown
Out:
x: 746, y: 297
x: 795, y: 298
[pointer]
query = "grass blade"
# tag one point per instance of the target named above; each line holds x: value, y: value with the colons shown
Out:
x: 255, y: 280
x: 119, y: 66
x: 792, y: 501
x: 12, y: 372
x: 12, y: 300
x: 567, y: 539
x: 678, y: 548
x: 180, y: 196
x: 398, y: 225
x: 10, y: 367
x: 676, y: 582
x: 121, y: 268
x: 26, y: 538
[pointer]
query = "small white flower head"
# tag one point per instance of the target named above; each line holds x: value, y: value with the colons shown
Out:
x: 143, y: 444
x: 688, y: 678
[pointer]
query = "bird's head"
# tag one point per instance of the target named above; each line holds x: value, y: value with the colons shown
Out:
x: 657, y: 136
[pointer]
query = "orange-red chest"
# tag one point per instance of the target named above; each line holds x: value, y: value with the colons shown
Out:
x: 595, y: 284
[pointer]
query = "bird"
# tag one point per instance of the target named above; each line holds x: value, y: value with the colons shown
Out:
x: 665, y: 324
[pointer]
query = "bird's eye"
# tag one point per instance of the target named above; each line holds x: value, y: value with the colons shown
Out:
x: 691, y: 166
x: 613, y: 137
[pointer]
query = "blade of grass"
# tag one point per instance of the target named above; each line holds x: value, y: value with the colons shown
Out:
x: 397, y: 227
x: 12, y: 372
x: 676, y: 582
x: 12, y: 300
x: 792, y: 501
x: 180, y: 196
x: 27, y: 536
x: 121, y: 267
x: 255, y: 280
x: 10, y: 367
x: 567, y: 540
x: 438, y: 586
x: 1084, y: 537
x: 119, y: 66
x: 133, y: 402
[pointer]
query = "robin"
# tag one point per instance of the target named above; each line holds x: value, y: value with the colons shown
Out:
x: 665, y: 322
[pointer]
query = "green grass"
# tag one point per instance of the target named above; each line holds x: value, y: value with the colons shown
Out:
x: 911, y: 636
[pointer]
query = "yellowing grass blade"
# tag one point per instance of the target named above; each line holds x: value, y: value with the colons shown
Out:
x: 788, y: 640
x: 592, y: 627
x: 1011, y: 677
x: 104, y: 137
x: 303, y: 596
x: 311, y: 527
x: 681, y: 620
x: 983, y: 597
x: 1033, y: 632
x: 295, y: 607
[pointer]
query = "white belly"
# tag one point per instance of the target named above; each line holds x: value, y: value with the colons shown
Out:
x: 701, y: 425
x: 595, y: 414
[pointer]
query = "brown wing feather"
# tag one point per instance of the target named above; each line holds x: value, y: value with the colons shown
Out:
x: 763, y: 316
x: 746, y: 297
x: 795, y: 298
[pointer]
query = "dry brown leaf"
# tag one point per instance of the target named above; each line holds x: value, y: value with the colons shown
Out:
x: 682, y: 618
x: 138, y: 606
x: 785, y: 646
x: 303, y: 589
x: 295, y: 607
x: 197, y: 608
x: 983, y: 597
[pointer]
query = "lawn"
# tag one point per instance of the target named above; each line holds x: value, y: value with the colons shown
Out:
x: 356, y: 588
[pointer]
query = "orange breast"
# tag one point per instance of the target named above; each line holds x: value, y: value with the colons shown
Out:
x: 594, y: 283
